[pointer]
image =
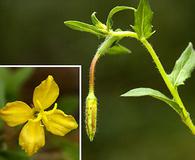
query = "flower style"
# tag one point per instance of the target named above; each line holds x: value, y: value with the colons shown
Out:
x: 32, y: 136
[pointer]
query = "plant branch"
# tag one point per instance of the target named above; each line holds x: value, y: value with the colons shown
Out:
x: 185, y: 115
x: 123, y: 34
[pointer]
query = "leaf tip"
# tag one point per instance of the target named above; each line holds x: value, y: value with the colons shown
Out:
x: 123, y: 95
x: 190, y: 45
x: 93, y: 15
x: 67, y: 22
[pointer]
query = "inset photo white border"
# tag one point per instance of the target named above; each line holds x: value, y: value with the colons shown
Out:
x: 80, y: 91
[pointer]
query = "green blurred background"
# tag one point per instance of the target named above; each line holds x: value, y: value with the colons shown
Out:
x: 32, y: 32
x: 19, y: 84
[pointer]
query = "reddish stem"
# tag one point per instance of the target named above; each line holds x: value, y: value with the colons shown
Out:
x: 92, y: 73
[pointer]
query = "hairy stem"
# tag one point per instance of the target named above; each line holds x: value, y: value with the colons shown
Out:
x: 92, y: 73
x: 123, y: 34
x: 185, y: 116
x: 91, y: 100
x: 101, y: 51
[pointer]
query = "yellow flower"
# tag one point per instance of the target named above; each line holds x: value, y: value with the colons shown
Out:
x: 32, y: 136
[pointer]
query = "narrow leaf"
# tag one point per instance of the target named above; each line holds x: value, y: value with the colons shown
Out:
x: 143, y: 18
x: 114, y: 11
x: 118, y: 49
x: 84, y: 27
x: 183, y: 66
x: 96, y: 22
x: 138, y: 92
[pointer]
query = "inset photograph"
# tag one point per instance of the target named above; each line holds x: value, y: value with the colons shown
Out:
x: 39, y: 112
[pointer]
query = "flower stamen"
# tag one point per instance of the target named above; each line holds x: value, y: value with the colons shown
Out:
x: 51, y: 111
x: 38, y: 118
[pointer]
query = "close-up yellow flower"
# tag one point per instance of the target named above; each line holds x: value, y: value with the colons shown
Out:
x: 32, y: 135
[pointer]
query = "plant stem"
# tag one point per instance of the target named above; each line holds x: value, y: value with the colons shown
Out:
x: 101, y: 51
x: 185, y: 115
x: 92, y: 73
x: 123, y: 34
x: 91, y: 100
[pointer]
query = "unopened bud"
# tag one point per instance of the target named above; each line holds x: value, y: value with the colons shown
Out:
x: 91, y: 115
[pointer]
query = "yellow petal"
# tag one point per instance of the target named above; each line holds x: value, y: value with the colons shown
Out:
x: 32, y: 137
x: 58, y: 123
x: 45, y: 94
x: 15, y: 113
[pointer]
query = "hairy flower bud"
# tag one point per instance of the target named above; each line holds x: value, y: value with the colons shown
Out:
x: 91, y: 115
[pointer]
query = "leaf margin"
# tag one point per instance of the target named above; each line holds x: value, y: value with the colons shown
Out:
x: 177, y: 75
x: 155, y: 94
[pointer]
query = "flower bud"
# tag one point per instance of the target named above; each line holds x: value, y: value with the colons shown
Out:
x: 91, y: 115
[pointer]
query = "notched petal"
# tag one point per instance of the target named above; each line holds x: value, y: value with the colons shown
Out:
x: 45, y: 94
x: 32, y: 137
x: 58, y: 123
x: 15, y: 113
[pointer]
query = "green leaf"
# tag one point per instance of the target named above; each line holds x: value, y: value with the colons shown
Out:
x: 2, y: 93
x: 183, y: 66
x: 4, y: 76
x: 138, y: 92
x: 96, y: 22
x: 118, y: 49
x: 143, y: 18
x: 84, y: 27
x: 17, y: 79
x: 71, y: 150
x: 11, y: 82
x: 114, y: 11
x: 14, y: 155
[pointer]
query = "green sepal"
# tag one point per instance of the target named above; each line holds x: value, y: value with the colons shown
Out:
x: 118, y: 49
x: 183, y: 66
x: 143, y: 20
x: 114, y: 11
x: 139, y: 92
x: 84, y: 27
